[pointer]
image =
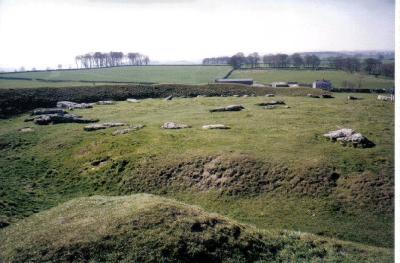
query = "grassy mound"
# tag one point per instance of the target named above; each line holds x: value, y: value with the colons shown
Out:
x: 244, y: 175
x: 146, y: 228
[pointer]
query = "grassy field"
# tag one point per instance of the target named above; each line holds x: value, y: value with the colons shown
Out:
x: 158, y: 74
x: 308, y: 76
x: 282, y: 146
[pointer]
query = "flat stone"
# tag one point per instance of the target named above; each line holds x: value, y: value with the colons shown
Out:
x: 173, y: 125
x: 169, y: 97
x: 215, y: 126
x: 270, y: 103
x: 61, y: 118
x: 105, y: 102
x: 349, y: 137
x: 133, y: 100
x: 73, y: 105
x: 26, y: 129
x: 127, y: 130
x: 47, y: 111
x: 228, y: 108
x: 269, y: 95
x: 99, y: 126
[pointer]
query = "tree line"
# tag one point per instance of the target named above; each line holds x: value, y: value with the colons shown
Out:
x: 110, y: 59
x: 351, y: 64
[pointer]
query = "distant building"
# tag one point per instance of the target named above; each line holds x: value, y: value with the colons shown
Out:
x: 235, y: 81
x: 279, y: 84
x: 322, y: 84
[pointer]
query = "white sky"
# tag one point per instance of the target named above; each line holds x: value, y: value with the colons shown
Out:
x: 43, y: 33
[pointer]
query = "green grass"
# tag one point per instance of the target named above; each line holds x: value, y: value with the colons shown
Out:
x: 158, y: 74
x: 53, y: 164
x: 308, y: 76
x: 146, y: 228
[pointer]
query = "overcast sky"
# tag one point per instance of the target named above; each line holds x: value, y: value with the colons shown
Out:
x: 43, y: 33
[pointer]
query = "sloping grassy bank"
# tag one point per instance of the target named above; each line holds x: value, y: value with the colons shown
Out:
x: 147, y: 228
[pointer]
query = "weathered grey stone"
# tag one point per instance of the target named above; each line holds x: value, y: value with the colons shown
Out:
x: 61, y: 118
x: 99, y: 126
x: 349, y: 137
x: 236, y: 95
x: 313, y: 96
x: 173, y: 125
x: 133, y: 100
x: 270, y: 103
x: 169, y: 97
x: 334, y: 135
x: 228, y: 108
x: 215, y: 126
x: 269, y: 107
x: 269, y: 95
x: 26, y: 129
x: 127, y: 130
x: 73, y: 105
x: 106, y: 102
x: 245, y: 96
x: 385, y: 98
x: 47, y: 111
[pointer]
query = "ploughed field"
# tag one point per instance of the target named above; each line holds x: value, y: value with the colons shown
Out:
x: 137, y: 74
x: 337, y: 77
x: 271, y: 178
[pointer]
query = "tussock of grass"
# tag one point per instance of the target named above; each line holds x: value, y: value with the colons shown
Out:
x: 146, y: 228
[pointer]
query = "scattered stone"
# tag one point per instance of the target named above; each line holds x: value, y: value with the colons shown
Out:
x: 269, y: 107
x: 127, y: 130
x: 313, y: 96
x: 352, y: 98
x: 99, y: 126
x: 245, y: 96
x: 105, y: 102
x: 349, y: 137
x: 73, y: 105
x: 173, y: 125
x: 133, y: 100
x: 236, y: 95
x: 228, y: 108
x: 26, y: 129
x: 274, y: 102
x: 169, y: 97
x: 269, y: 95
x: 61, y: 118
x: 216, y: 126
x: 48, y: 111
x: 386, y: 98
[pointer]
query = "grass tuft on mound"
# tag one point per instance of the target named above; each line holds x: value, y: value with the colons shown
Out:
x: 147, y: 228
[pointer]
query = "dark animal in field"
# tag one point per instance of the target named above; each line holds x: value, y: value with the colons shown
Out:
x: 228, y: 108
x: 327, y: 96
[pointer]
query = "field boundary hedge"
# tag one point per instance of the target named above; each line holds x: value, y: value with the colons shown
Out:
x: 15, y: 101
